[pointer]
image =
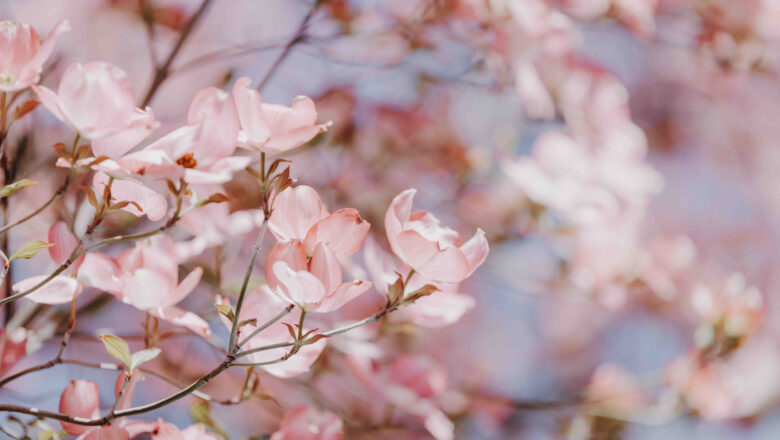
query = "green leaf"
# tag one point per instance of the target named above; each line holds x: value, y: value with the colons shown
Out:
x: 16, y: 186
x: 143, y: 356
x: 29, y: 249
x: 118, y: 349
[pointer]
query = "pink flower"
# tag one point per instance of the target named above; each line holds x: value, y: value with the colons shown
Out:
x: 304, y: 268
x: 435, y: 251
x: 263, y: 305
x: 80, y: 399
x: 308, y: 423
x: 616, y: 390
x: 200, y: 152
x: 442, y: 308
x: 147, y: 277
x: 273, y: 128
x: 22, y: 55
x: 96, y: 100
x: 298, y: 214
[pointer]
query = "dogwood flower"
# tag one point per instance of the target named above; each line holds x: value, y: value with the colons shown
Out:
x: 433, y: 250
x: 273, y: 128
x: 146, y: 277
x: 96, y: 100
x: 22, y: 55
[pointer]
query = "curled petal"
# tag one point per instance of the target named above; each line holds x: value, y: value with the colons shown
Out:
x: 476, y: 250
x: 397, y: 215
x: 31, y: 72
x: 141, y: 125
x: 250, y: 112
x: 152, y: 204
x: 343, y: 232
x: 295, y: 211
x: 424, y: 256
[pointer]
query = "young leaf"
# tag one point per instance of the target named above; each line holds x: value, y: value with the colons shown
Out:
x: 395, y: 291
x: 143, y: 356
x: 29, y: 249
x: 252, y: 321
x: 16, y: 186
x: 226, y: 311
x: 118, y: 349
x: 214, y: 198
x: 23, y: 109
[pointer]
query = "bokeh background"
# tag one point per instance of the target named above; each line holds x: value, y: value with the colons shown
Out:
x: 621, y: 156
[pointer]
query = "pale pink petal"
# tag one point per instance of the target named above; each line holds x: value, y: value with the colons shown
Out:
x: 299, y: 287
x: 59, y: 290
x: 147, y: 289
x: 63, y: 241
x: 32, y: 70
x: 152, y: 204
x: 343, y: 232
x: 295, y: 211
x: 325, y: 266
x: 115, y: 145
x: 250, y: 112
x: 100, y: 272
x: 286, y: 141
x: 424, y: 256
x: 345, y: 293
x: 96, y: 98
x: 51, y: 101
x: 291, y: 252
x: 476, y: 250
x: 80, y: 398
x: 183, y: 318
x: 397, y: 215
x: 439, y: 309
x: 184, y: 288
x: 216, y: 111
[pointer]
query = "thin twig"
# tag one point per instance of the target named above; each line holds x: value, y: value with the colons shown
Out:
x: 161, y: 72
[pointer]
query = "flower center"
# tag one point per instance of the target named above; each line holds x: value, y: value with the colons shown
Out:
x: 187, y: 161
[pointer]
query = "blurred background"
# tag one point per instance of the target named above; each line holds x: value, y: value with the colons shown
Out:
x: 621, y: 156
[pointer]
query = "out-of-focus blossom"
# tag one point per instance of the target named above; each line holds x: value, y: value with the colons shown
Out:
x: 80, y: 399
x: 274, y: 128
x: 737, y: 386
x: 96, y: 100
x: 433, y: 250
x: 147, y: 277
x: 615, y: 390
x: 23, y: 54
x: 308, y: 423
x: 13, y: 347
